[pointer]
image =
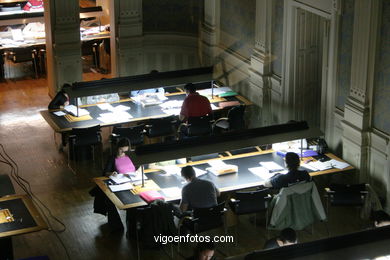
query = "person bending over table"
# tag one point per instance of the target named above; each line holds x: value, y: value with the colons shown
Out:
x: 120, y: 162
x: 60, y: 99
x: 292, y: 177
x: 194, y: 105
x: 197, y: 193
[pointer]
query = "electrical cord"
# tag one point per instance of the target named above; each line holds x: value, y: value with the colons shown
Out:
x: 26, y: 187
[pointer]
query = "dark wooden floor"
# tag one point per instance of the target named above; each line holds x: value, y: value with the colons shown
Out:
x: 30, y: 142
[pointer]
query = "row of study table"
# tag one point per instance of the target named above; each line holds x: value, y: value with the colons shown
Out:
x: 137, y: 111
x: 243, y: 179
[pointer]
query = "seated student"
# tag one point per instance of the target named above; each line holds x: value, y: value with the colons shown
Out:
x: 287, y: 237
x: 203, y: 251
x: 197, y: 193
x: 33, y: 5
x: 293, y: 176
x: 60, y: 99
x: 120, y: 162
x: 194, y: 105
x: 380, y: 218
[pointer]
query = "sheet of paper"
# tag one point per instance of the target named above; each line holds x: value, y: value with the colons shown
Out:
x: 171, y: 104
x: 137, y: 176
x: 320, y: 166
x: 213, y: 107
x: 72, y: 109
x: 172, y: 192
x: 117, y: 116
x: 217, y: 163
x: 106, y: 120
x: 199, y: 172
x: 120, y: 178
x: 172, y: 111
x: 120, y: 108
x: 59, y: 113
x: 337, y: 164
x: 272, y: 166
x: 261, y: 172
x: 309, y: 167
x: 105, y: 106
x: 121, y: 187
x: 172, y: 169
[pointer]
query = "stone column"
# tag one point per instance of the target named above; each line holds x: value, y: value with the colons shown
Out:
x: 63, y: 48
x: 357, y: 109
x: 209, y: 32
x: 260, y: 69
x: 126, y: 40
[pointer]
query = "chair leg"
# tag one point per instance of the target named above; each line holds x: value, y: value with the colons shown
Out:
x: 137, y: 238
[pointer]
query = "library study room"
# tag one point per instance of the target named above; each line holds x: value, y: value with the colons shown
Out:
x: 215, y: 129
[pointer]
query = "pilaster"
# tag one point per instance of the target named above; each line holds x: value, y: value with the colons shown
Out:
x: 126, y: 26
x: 63, y: 46
x: 209, y: 31
x: 357, y: 109
x: 260, y: 69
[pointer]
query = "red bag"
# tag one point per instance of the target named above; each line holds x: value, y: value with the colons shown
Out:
x: 150, y: 196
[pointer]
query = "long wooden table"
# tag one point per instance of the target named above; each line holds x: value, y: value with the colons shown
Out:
x: 139, y: 113
x: 25, y: 215
x: 243, y: 179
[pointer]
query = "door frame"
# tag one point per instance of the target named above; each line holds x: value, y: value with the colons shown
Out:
x: 328, y: 91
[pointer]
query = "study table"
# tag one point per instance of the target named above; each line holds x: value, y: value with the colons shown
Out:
x: 18, y: 215
x: 243, y: 179
x: 137, y: 111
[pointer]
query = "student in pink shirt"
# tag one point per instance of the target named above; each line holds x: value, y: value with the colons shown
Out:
x: 120, y: 162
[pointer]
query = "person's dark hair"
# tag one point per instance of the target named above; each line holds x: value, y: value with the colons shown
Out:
x: 187, y: 172
x: 153, y: 71
x: 380, y: 216
x: 288, y: 235
x: 123, y: 142
x: 202, y: 246
x: 292, y: 161
x: 190, y: 87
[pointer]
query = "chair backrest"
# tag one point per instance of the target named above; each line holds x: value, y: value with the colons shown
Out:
x: 199, y: 126
x: 347, y: 195
x: 236, y: 117
x: 135, y: 133
x: 86, y: 136
x: 251, y: 201
x: 21, y: 55
x: 161, y: 126
x: 296, y: 207
x: 208, y: 218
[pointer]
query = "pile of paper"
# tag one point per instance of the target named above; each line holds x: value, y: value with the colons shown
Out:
x: 116, y: 116
x: 219, y: 167
x: 272, y: 167
x: 322, y: 166
x: 120, y: 178
x: 121, y: 187
x: 75, y: 111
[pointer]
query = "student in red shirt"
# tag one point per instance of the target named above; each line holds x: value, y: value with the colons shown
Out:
x: 33, y: 5
x: 194, y: 105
